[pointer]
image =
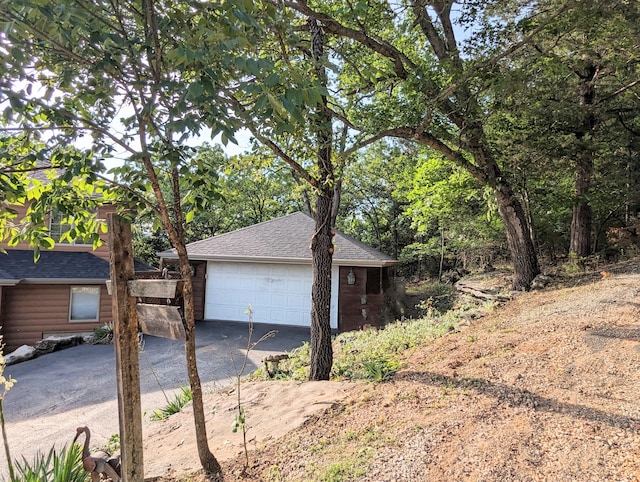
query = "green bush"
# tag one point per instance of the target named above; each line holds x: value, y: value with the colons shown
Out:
x: 373, y: 354
x: 380, y: 369
x: 365, y: 354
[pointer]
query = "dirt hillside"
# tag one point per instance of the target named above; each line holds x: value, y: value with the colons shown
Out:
x: 545, y: 387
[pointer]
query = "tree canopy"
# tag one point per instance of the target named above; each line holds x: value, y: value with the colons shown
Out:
x: 417, y: 126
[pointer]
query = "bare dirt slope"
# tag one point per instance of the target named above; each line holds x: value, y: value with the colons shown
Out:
x: 546, y: 387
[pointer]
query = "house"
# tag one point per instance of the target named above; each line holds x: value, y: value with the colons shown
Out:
x: 268, y: 267
x: 63, y: 292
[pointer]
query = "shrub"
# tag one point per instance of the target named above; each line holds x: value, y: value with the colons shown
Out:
x: 103, y: 335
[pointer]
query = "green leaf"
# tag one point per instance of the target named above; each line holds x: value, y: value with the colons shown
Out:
x: 253, y: 67
x: 195, y: 90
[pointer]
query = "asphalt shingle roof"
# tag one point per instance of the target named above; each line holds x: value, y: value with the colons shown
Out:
x: 18, y: 264
x: 282, y: 239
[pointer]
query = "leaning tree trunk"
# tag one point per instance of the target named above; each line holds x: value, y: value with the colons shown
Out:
x: 176, y: 235
x: 322, y: 242
x: 521, y: 247
x: 523, y: 253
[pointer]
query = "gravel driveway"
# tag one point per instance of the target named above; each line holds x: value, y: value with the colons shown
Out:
x: 58, y: 392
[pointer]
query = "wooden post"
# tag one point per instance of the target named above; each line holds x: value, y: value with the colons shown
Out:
x: 126, y: 347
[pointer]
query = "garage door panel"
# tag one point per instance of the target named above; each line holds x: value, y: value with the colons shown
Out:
x: 297, y: 318
x: 298, y: 302
x: 262, y: 299
x: 277, y: 294
x: 278, y: 300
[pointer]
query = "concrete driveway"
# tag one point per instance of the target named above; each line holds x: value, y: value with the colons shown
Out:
x: 58, y: 392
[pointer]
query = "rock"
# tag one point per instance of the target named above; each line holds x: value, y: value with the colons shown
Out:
x: 55, y: 343
x: 540, y: 281
x: 23, y: 353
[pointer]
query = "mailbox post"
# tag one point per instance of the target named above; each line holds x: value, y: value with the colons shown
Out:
x: 123, y: 306
x: 129, y: 317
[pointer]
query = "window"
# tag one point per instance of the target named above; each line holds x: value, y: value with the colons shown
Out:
x: 57, y: 228
x: 85, y: 303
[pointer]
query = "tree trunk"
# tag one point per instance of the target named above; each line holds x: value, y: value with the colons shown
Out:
x: 523, y: 253
x: 176, y: 236
x: 322, y: 242
x: 322, y: 255
x: 208, y: 461
x: 521, y: 247
x: 337, y: 197
x: 582, y: 220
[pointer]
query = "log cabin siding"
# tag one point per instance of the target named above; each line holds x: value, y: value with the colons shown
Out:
x: 29, y: 310
x: 101, y: 252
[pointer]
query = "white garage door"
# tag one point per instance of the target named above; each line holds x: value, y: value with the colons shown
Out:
x: 277, y: 293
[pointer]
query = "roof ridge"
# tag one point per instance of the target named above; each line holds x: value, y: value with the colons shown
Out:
x: 262, y: 223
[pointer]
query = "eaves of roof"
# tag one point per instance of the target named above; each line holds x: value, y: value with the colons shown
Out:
x: 55, y: 267
x: 272, y: 260
x: 64, y: 281
x: 9, y: 282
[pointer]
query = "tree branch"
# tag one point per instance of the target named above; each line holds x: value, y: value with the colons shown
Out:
x: 236, y: 104
x: 426, y: 139
x: 619, y: 91
x: 7, y: 16
x: 473, y: 70
x: 429, y: 30
x: 128, y: 189
x: 331, y: 25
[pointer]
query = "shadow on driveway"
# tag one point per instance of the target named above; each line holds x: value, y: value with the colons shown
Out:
x: 85, y: 375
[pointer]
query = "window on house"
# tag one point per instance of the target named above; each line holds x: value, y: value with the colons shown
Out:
x: 57, y: 228
x: 85, y: 303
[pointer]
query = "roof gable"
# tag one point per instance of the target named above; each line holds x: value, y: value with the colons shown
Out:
x: 284, y: 239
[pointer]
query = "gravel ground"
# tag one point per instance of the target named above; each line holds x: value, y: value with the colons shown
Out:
x: 544, y: 388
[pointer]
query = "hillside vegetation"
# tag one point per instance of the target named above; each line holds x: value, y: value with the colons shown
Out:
x: 543, y: 387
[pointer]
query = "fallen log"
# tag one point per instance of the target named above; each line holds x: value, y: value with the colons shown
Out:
x: 480, y: 293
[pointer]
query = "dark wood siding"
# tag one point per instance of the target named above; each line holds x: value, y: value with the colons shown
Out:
x: 31, y: 310
x: 360, y: 304
x: 199, y: 281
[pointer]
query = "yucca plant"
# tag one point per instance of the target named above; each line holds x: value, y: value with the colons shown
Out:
x: 103, y: 335
x: 63, y: 466
x: 173, y: 406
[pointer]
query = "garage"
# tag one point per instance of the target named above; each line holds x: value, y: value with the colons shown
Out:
x: 268, y: 266
x: 277, y: 293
